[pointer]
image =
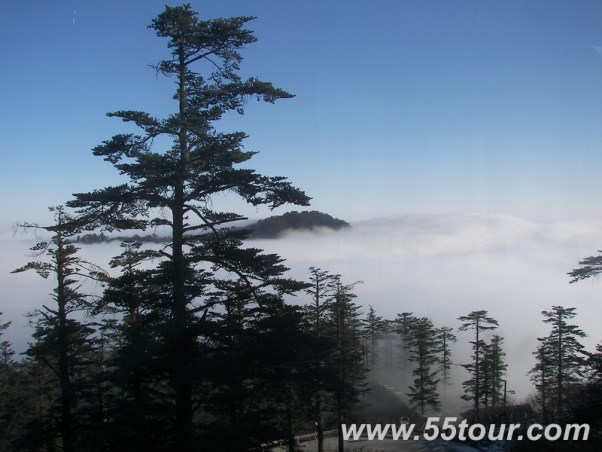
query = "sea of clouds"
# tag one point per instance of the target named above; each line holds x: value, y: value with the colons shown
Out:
x: 440, y: 266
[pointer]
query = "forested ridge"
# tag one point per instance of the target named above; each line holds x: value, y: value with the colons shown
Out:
x: 271, y: 227
x: 202, y: 342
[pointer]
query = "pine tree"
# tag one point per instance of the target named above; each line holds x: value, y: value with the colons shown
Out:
x: 257, y: 357
x: 7, y: 383
x: 589, y: 401
x: 493, y: 370
x: 542, y: 376
x: 131, y: 332
x: 404, y: 324
x: 345, y: 324
x: 561, y: 359
x: 479, y: 322
x: 495, y: 357
x: 6, y: 350
x: 37, y: 405
x: 62, y: 341
x: 176, y: 189
x: 444, y: 338
x: 590, y: 267
x: 321, y: 289
x: 336, y: 371
x: 285, y: 348
x: 373, y: 326
x: 389, y: 331
x: 423, y: 352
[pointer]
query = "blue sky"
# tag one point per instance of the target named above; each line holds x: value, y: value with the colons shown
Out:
x: 401, y: 106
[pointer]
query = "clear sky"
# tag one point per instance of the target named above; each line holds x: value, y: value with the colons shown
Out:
x: 401, y: 106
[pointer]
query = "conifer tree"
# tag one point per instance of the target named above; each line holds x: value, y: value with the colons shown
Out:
x: 423, y: 353
x: 403, y: 326
x: 389, y: 329
x: 176, y: 188
x: 493, y: 370
x: 62, y: 341
x: 590, y: 267
x: 258, y: 354
x: 542, y: 376
x: 345, y: 324
x: 37, y: 407
x: 7, y: 383
x: 589, y: 402
x: 479, y: 322
x: 373, y: 326
x: 6, y: 350
x: 561, y: 357
x: 321, y: 290
x: 131, y: 302
x: 496, y: 363
x: 444, y: 338
x: 336, y: 372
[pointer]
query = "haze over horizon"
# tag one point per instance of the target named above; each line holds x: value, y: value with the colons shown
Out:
x: 439, y: 266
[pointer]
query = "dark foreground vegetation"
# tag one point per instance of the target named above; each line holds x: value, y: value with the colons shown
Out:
x: 195, y: 344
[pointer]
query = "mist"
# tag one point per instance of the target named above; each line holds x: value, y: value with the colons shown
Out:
x: 439, y: 266
x: 445, y: 266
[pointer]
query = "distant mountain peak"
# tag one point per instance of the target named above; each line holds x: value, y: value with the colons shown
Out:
x: 273, y: 227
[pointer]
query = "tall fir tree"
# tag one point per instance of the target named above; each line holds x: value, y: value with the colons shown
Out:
x: 176, y: 188
x: 589, y: 402
x: 321, y: 289
x: 404, y: 323
x: 62, y: 342
x: 444, y: 337
x: 422, y: 346
x: 346, y: 329
x: 493, y: 370
x: 561, y: 359
x: 130, y: 304
x: 495, y: 356
x: 372, y: 334
x: 7, y: 389
x: 542, y: 377
x: 479, y: 322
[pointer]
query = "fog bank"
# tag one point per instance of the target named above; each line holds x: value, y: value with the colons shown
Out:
x: 441, y: 266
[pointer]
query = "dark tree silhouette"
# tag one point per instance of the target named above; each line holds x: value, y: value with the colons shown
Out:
x: 131, y: 303
x: 176, y: 187
x: 560, y: 359
x: 493, y: 370
x: 479, y: 322
x: 372, y: 334
x: 590, y: 267
x: 589, y: 400
x: 422, y: 344
x: 403, y: 327
x: 345, y: 324
x: 61, y: 340
x: 321, y: 289
x: 542, y: 376
x: 444, y: 337
x: 7, y: 382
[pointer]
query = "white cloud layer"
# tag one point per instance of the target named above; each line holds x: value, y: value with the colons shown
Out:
x: 445, y: 266
x: 442, y: 266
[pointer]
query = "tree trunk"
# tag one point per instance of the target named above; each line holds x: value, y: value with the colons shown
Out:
x: 63, y: 346
x: 181, y: 342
